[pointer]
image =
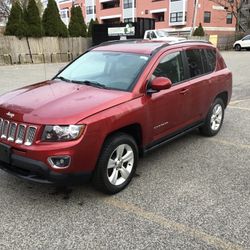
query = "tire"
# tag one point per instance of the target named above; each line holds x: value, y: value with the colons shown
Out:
x: 117, y: 163
x: 214, y: 119
x: 237, y: 47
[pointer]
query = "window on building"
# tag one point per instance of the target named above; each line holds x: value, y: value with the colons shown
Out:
x: 229, y: 18
x: 128, y: 20
x: 176, y: 17
x: 111, y: 4
x: 127, y: 4
x: 207, y: 17
x: 111, y: 21
x: 64, y: 13
x: 194, y: 62
x: 171, y: 67
x: 90, y: 10
x: 159, y: 17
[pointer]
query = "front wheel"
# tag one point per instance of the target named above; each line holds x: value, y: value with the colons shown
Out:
x: 117, y: 163
x: 237, y: 47
x: 214, y: 119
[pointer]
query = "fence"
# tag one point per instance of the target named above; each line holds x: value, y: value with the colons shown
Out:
x: 41, y: 50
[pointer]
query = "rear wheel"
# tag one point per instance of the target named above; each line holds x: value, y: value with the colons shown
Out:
x: 237, y: 47
x: 117, y: 163
x: 214, y: 119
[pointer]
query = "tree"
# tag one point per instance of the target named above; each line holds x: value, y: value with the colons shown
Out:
x: 199, y: 31
x: 16, y: 26
x: 5, y: 7
x: 52, y: 22
x: 90, y: 27
x: 77, y: 26
x: 33, y: 20
x: 234, y: 7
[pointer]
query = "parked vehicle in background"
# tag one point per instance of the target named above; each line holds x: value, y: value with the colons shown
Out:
x: 114, y: 103
x: 161, y: 35
x: 244, y: 43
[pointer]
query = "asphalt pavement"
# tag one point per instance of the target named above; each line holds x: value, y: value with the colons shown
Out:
x: 193, y: 193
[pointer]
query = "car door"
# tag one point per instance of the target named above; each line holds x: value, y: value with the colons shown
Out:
x: 197, y: 100
x: 166, y: 108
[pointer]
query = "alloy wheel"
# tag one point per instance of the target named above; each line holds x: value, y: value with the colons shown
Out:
x: 120, y: 164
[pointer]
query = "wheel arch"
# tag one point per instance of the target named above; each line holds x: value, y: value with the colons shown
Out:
x: 224, y: 97
x: 134, y: 130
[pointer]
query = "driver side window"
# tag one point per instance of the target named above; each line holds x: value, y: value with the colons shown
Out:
x: 171, y: 66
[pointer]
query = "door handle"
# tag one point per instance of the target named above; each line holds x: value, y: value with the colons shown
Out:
x: 184, y: 91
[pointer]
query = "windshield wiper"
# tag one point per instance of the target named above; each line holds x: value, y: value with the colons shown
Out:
x: 91, y: 83
x: 63, y: 79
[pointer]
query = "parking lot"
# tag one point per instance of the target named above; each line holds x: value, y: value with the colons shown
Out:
x: 193, y: 193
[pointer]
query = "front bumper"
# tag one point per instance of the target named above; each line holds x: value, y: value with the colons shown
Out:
x: 38, y: 171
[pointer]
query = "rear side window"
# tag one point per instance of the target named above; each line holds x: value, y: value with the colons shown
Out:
x: 171, y: 66
x: 195, y: 64
x: 210, y: 60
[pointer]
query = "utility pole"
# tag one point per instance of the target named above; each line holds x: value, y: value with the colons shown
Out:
x: 133, y: 11
x: 196, y: 4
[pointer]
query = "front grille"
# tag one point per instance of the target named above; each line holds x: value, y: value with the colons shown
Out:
x: 5, y: 128
x: 18, y: 133
x: 30, y: 135
x: 12, y: 131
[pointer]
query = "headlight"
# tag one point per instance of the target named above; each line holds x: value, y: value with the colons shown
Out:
x: 62, y: 132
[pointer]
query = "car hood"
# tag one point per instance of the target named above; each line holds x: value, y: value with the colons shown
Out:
x: 58, y: 102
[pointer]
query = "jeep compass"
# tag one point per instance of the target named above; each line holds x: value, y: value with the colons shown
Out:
x: 112, y: 104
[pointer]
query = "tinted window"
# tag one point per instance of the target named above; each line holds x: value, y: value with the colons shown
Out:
x: 194, y: 62
x: 171, y: 67
x: 210, y: 60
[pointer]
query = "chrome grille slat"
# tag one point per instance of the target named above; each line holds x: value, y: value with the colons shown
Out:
x: 12, y: 131
x: 1, y: 123
x: 30, y: 135
x: 4, y: 129
x: 20, y: 133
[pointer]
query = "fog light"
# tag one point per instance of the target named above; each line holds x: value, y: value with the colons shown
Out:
x: 59, y: 161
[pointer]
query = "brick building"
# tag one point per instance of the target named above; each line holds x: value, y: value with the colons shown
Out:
x: 173, y: 15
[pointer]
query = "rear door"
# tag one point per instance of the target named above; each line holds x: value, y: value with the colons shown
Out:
x: 200, y: 63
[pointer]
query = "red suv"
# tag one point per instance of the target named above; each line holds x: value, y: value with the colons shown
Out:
x: 115, y: 102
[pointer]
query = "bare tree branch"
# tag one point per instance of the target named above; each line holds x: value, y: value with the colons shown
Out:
x: 232, y: 6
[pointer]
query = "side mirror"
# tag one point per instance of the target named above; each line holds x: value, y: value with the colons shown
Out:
x: 159, y: 83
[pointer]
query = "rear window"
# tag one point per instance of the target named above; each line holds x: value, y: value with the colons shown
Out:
x: 210, y: 60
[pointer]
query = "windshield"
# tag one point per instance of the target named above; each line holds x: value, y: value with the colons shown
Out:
x: 115, y: 70
x: 162, y: 33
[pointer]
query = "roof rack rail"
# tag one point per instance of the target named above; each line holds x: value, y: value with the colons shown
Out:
x: 119, y: 41
x: 114, y: 42
x: 192, y: 41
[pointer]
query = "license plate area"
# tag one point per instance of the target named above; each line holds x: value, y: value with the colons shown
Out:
x: 5, y: 152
